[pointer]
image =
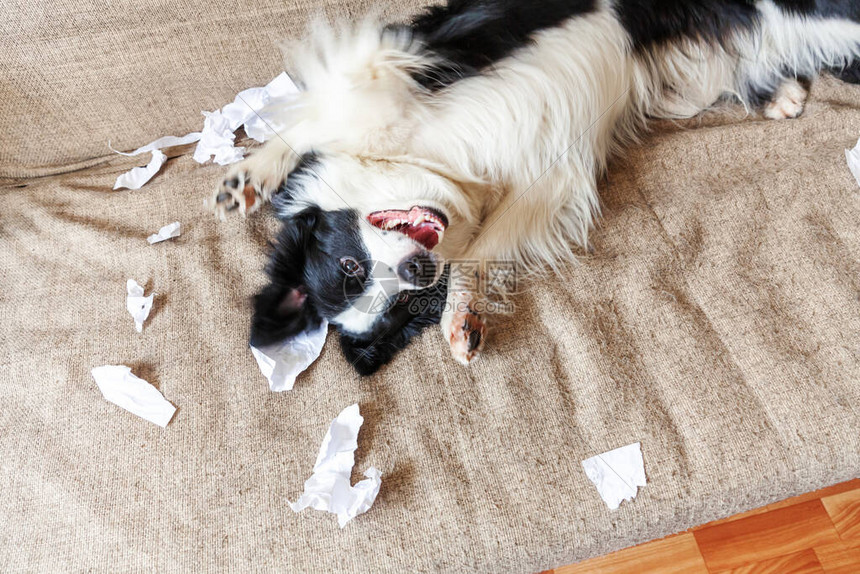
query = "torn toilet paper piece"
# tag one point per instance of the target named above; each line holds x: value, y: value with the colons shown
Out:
x: 283, y: 362
x: 248, y: 109
x: 122, y: 388
x: 617, y: 473
x: 138, y: 305
x: 328, y: 488
x: 217, y: 140
x: 169, y: 231
x: 136, y: 177
x: 853, y: 158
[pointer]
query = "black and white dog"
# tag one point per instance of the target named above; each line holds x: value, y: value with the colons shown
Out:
x: 478, y: 133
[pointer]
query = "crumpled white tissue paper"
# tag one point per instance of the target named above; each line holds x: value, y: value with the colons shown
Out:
x: 853, y: 158
x: 617, y: 473
x: 283, y: 362
x: 138, y: 176
x: 217, y: 138
x: 249, y: 107
x: 328, y: 488
x: 169, y: 231
x: 138, y: 305
x: 122, y: 388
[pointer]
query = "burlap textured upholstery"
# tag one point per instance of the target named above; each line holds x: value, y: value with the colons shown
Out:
x: 717, y: 322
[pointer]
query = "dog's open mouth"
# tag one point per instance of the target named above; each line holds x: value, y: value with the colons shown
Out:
x: 422, y: 224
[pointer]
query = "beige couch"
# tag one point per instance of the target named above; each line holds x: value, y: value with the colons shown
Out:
x: 717, y: 322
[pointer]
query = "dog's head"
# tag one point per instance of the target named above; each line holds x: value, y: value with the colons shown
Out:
x: 353, y: 257
x: 333, y: 265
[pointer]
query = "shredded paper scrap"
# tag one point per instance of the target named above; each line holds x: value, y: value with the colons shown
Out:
x: 169, y: 231
x: 122, y: 388
x: 853, y: 158
x: 328, y: 489
x: 617, y: 474
x: 283, y: 362
x: 138, y: 305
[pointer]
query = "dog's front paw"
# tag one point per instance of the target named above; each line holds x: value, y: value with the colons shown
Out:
x: 464, y: 328
x: 244, y: 189
x: 235, y: 192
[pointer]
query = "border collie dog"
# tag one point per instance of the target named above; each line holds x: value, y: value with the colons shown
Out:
x: 478, y: 133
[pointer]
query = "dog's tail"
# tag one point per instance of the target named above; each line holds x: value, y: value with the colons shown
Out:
x: 358, y: 83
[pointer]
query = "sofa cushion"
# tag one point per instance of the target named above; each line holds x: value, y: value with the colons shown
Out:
x: 717, y: 322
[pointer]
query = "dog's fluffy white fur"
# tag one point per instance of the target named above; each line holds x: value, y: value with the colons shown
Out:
x: 513, y: 155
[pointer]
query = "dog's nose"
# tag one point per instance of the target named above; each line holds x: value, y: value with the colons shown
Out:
x: 419, y: 270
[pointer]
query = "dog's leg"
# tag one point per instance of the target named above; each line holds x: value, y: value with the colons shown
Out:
x: 787, y: 101
x: 463, y: 326
x: 530, y: 229
x: 252, y: 182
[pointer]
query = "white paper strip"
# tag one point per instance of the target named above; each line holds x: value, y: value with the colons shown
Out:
x: 328, y: 488
x: 138, y: 305
x: 282, y: 363
x: 122, y: 388
x: 161, y: 143
x: 138, y: 176
x: 169, y: 231
x: 617, y: 473
x: 853, y: 158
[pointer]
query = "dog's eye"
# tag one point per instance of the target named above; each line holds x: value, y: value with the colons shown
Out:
x: 350, y: 266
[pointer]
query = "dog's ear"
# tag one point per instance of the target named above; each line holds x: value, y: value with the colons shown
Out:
x: 280, y: 313
x: 282, y: 309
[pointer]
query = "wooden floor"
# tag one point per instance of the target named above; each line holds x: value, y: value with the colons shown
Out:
x: 816, y: 532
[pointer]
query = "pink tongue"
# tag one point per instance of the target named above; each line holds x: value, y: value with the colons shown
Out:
x: 425, y: 234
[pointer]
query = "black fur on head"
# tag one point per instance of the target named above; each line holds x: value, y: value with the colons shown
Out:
x: 307, y: 282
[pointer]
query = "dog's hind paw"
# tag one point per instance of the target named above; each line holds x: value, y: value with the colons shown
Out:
x: 787, y: 102
x: 465, y: 330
